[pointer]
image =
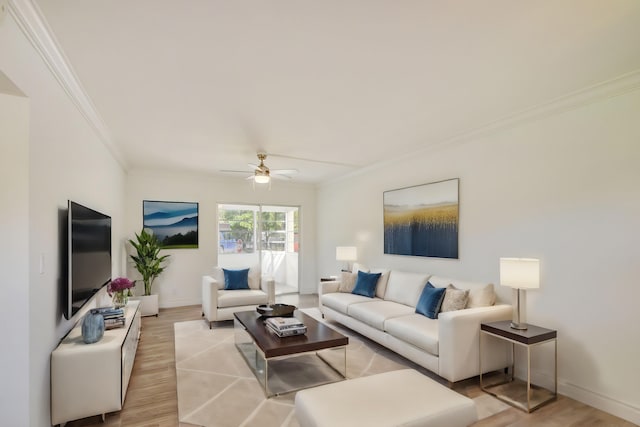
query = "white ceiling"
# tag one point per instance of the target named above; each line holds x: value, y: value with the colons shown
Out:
x: 203, y: 85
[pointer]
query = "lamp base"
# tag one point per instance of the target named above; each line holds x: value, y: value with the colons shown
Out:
x: 519, y: 320
x: 519, y: 326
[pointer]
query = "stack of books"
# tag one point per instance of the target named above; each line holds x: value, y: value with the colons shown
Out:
x: 285, y: 326
x: 113, y: 317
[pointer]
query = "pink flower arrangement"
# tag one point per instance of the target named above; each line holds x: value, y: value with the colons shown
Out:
x: 119, y: 285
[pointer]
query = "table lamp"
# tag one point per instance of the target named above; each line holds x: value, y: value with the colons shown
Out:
x: 520, y: 274
x: 346, y: 253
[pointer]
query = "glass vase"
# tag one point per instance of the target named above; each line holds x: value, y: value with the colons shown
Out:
x: 92, y: 327
x: 120, y: 299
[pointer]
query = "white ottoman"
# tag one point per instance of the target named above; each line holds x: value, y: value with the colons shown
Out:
x: 397, y: 398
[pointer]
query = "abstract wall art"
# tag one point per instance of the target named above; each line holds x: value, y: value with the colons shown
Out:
x: 422, y: 220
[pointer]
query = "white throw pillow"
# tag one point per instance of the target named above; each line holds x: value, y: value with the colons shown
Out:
x: 254, y: 278
x: 482, y: 297
x: 381, y: 287
x: 218, y: 275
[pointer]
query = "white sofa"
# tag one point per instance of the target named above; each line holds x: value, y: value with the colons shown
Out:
x: 219, y: 304
x: 447, y: 346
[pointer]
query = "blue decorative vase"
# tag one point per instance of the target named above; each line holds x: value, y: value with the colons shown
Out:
x: 92, y: 327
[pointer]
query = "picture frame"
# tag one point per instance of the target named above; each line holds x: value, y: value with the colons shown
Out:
x: 422, y: 220
x: 174, y: 223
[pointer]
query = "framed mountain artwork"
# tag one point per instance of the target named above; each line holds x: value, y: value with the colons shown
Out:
x: 174, y: 223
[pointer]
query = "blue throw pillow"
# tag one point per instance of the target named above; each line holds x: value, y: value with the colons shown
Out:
x: 430, y: 301
x: 236, y: 279
x: 366, y: 284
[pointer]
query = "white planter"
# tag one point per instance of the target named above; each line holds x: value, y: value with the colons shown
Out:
x: 148, y: 304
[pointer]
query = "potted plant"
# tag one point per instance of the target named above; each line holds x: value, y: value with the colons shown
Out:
x: 149, y: 263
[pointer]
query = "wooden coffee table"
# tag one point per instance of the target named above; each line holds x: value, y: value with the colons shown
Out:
x: 283, y: 365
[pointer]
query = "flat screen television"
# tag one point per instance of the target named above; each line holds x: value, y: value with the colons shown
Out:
x: 89, y: 255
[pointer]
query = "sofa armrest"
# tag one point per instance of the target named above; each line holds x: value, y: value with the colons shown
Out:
x: 328, y: 287
x: 268, y: 284
x: 209, y: 298
x: 459, y: 340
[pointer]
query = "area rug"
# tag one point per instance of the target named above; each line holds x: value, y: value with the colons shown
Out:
x: 216, y: 388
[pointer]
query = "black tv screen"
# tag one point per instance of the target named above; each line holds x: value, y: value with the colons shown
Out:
x: 89, y: 255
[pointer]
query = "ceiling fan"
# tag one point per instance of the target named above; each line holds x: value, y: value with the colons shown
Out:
x: 262, y: 174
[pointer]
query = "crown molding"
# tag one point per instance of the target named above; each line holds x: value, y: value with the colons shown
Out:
x: 29, y: 18
x: 612, y: 88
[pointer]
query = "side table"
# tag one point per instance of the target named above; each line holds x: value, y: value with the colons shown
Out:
x: 519, y: 393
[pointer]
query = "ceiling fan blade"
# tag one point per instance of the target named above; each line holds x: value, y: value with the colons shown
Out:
x: 232, y: 171
x: 282, y: 177
x: 284, y: 171
x: 253, y: 166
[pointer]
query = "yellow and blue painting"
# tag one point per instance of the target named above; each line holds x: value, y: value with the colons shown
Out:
x: 175, y: 224
x: 422, y: 220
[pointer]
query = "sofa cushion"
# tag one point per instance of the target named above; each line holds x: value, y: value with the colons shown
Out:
x: 374, y: 313
x: 404, y: 287
x: 340, y: 301
x: 236, y: 279
x: 454, y: 299
x: 241, y: 297
x: 347, y: 282
x: 415, y: 329
x: 430, y: 301
x: 366, y: 284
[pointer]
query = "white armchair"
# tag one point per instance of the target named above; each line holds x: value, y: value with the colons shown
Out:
x: 220, y: 304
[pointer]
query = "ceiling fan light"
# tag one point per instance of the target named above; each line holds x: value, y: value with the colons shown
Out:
x: 261, y: 179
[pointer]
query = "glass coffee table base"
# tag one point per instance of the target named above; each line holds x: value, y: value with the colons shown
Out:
x: 286, y: 374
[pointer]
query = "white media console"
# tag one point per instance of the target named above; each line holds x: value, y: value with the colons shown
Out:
x: 92, y: 379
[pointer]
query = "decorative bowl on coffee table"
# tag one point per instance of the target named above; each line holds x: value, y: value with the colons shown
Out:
x: 276, y: 310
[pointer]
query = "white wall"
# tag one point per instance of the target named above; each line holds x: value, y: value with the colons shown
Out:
x: 14, y: 256
x: 564, y: 189
x: 66, y: 160
x: 180, y: 284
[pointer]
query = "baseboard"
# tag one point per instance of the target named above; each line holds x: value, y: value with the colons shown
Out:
x: 180, y: 302
x: 604, y: 403
x: 620, y: 409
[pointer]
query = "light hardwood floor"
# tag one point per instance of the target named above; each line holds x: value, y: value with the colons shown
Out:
x: 152, y: 398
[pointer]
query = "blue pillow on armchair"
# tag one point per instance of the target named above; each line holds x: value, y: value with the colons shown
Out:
x: 236, y: 279
x: 366, y: 284
x: 430, y: 301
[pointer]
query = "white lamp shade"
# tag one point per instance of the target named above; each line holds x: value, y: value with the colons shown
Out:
x: 346, y: 253
x: 520, y: 273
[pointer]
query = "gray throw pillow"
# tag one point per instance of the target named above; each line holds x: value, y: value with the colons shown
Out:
x: 454, y: 299
x: 347, y: 282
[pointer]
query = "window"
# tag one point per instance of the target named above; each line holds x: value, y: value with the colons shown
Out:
x: 261, y: 235
x: 236, y: 229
